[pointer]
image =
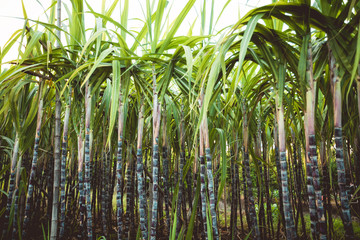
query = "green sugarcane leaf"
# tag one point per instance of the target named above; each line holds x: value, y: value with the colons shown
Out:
x: 90, y: 41
x: 31, y: 45
x: 222, y: 136
x: 138, y: 38
x: 208, y: 223
x: 246, y: 39
x: 115, y: 91
x: 124, y: 18
x: 173, y: 229
x: 178, y: 21
x: 12, y: 40
x: 302, y: 63
x: 14, y: 110
x: 3, y: 192
x: 111, y: 9
x: 159, y: 14
x: 96, y: 64
x: 356, y: 63
x: 32, y: 112
x: 9, y: 141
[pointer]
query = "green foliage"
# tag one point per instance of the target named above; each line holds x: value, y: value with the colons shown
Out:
x: 243, y: 75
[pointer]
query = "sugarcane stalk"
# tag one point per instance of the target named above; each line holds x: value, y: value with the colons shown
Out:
x: 156, y: 128
x: 103, y: 192
x: 63, y: 166
x: 119, y: 205
x: 57, y: 145
x: 129, y: 194
x: 298, y: 187
x: 262, y: 222
x: 57, y: 153
x: 246, y: 198
x: 16, y: 200
x: 16, y: 210
x: 104, y: 182
x: 81, y: 181
x: 349, y: 231
x: 267, y: 189
x: 289, y: 222
x: 189, y: 178
x: 181, y: 175
x: 281, y: 219
x: 233, y: 216
x: 238, y: 186
x: 12, y: 185
x: 107, y: 185
x: 139, y: 172
x: 165, y: 170
x: 33, y: 164
x: 202, y: 174
x: 210, y: 178
x: 202, y: 186
x: 312, y: 153
x: 358, y: 90
x: 133, y: 194
x: 253, y: 225
x: 87, y: 160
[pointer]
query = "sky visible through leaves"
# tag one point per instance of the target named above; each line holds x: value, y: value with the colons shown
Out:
x: 12, y: 16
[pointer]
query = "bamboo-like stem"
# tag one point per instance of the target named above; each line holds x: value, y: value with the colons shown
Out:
x: 132, y: 189
x: 358, y: 89
x: 110, y: 184
x: 315, y: 189
x: 267, y: 188
x: 210, y: 179
x: 139, y: 172
x: 289, y: 222
x: 57, y: 161
x: 119, y: 205
x: 202, y: 175
x: 298, y: 182
x: 57, y: 146
x: 12, y: 185
x: 33, y: 164
x: 189, y: 183
x: 16, y: 200
x: 309, y: 169
x: 202, y: 186
x: 165, y: 169
x: 260, y: 183
x: 237, y: 179
x: 63, y: 166
x: 103, y: 192
x: 181, y: 176
x: 129, y: 193
x: 326, y: 180
x: 104, y: 178
x: 349, y: 232
x: 87, y: 160
x: 253, y: 225
x: 233, y: 216
x: 278, y: 170
x: 81, y: 180
x: 156, y: 128
x: 246, y: 198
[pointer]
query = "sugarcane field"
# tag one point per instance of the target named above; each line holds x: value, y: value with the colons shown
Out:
x: 193, y: 119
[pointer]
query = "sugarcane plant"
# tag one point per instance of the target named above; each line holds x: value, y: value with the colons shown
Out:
x: 250, y: 131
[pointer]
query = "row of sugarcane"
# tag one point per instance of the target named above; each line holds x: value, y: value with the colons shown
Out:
x: 205, y: 170
x: 155, y: 188
x: 84, y: 197
x: 84, y: 188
